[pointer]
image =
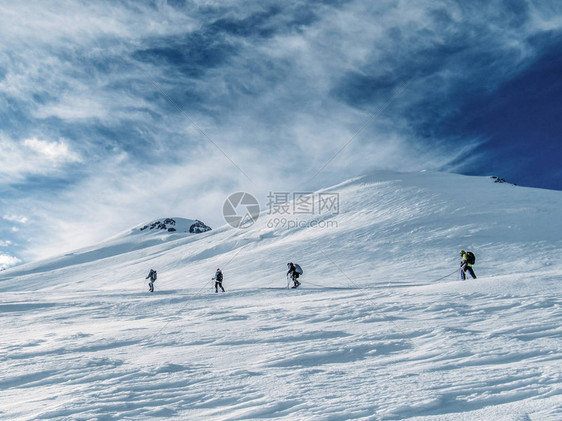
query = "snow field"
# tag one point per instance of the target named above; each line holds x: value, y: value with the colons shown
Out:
x: 378, y: 329
x: 390, y: 353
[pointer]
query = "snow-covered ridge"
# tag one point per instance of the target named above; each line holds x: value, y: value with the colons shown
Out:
x: 143, y: 236
x: 174, y: 225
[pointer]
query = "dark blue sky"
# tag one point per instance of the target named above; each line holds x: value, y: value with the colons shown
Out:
x: 521, y: 121
x: 115, y: 113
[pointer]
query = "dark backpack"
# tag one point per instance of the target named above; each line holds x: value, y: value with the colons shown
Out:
x: 470, y: 257
x: 219, y: 277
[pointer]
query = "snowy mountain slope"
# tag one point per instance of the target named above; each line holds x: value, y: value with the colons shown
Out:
x: 409, y: 226
x: 140, y: 237
x: 373, y: 333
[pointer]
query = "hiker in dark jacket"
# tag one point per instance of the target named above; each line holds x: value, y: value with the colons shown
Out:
x: 293, y: 274
x: 152, y: 275
x: 218, y: 281
x: 466, y: 265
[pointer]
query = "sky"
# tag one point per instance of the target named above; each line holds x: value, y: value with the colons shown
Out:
x: 115, y: 113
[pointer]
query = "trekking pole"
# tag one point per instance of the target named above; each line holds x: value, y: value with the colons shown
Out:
x: 446, y: 276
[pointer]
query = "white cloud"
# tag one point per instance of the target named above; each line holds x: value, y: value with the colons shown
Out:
x: 54, y: 151
x: 73, y: 108
x: 16, y: 218
x: 7, y: 261
x: 33, y: 156
x: 49, y: 22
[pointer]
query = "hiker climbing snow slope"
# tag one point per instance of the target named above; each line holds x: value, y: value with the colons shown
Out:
x: 467, y: 260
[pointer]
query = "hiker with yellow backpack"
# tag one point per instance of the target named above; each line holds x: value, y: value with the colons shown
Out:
x: 467, y: 260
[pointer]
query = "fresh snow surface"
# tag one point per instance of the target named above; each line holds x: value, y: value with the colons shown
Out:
x: 381, y: 327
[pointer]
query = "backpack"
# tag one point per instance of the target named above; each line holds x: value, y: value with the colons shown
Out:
x: 298, y: 269
x: 470, y: 257
x: 219, y: 277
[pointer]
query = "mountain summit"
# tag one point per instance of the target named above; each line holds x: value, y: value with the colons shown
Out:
x: 174, y: 225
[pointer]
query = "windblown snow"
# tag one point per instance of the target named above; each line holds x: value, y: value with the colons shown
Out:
x: 381, y: 328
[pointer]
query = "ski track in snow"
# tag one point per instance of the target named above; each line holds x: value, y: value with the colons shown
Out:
x: 382, y: 340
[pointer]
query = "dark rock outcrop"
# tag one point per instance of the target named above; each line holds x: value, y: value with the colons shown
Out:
x: 199, y: 227
x: 171, y: 225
